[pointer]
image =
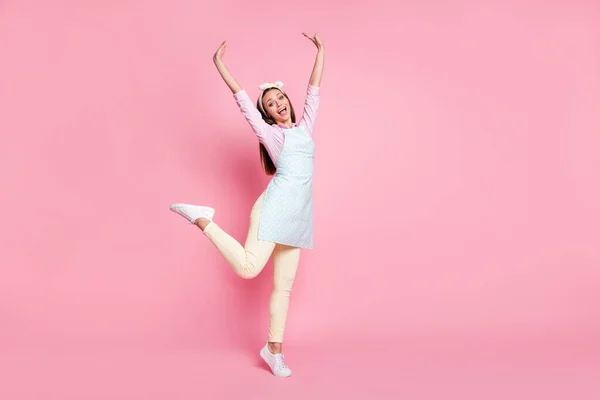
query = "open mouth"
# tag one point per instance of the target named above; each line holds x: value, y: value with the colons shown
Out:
x: 284, y: 109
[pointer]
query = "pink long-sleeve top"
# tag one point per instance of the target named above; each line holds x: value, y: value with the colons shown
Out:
x: 271, y: 136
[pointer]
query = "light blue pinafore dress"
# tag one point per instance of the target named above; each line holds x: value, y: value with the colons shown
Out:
x: 287, y: 212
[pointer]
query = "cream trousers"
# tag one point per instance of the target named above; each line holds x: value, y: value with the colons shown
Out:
x: 248, y: 261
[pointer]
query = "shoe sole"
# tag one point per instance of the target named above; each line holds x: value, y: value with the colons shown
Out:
x: 173, y: 206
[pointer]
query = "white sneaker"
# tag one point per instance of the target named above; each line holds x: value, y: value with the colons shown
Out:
x: 276, y: 363
x: 192, y: 213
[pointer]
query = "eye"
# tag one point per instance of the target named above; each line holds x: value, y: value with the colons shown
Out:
x: 281, y: 97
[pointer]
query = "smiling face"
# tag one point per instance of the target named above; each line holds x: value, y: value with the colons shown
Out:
x: 277, y: 106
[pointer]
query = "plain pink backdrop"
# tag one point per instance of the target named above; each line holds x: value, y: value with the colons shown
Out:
x: 457, y: 181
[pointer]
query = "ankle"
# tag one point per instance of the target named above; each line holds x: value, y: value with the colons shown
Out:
x: 274, y: 347
x: 202, y: 223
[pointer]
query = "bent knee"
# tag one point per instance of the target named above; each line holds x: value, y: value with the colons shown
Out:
x: 248, y: 271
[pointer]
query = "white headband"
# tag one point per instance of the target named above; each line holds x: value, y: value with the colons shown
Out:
x: 266, y: 86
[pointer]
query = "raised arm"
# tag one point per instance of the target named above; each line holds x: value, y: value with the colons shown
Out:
x: 311, y: 105
x: 268, y: 135
x: 222, y: 68
x: 317, y: 72
x: 250, y: 112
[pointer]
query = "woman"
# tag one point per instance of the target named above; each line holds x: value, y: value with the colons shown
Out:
x: 281, y: 221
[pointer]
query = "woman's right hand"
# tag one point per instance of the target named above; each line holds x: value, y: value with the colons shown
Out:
x: 224, y: 71
x: 220, y: 51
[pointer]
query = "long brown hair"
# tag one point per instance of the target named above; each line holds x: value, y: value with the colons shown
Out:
x: 265, y: 159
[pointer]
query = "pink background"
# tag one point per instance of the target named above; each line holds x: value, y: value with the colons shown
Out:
x: 457, y: 188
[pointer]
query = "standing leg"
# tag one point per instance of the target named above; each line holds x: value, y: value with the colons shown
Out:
x: 285, y: 263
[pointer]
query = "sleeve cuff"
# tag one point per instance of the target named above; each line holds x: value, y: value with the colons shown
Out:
x: 241, y: 95
x: 314, y: 90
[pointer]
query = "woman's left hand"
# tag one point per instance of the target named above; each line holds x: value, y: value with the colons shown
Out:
x: 316, y: 40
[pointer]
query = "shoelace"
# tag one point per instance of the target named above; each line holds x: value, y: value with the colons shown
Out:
x: 280, y: 363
